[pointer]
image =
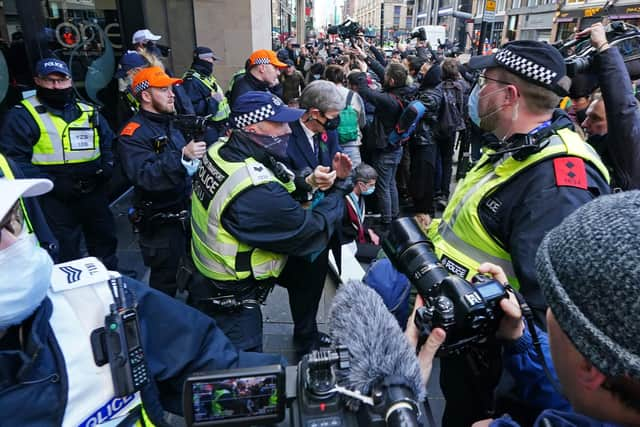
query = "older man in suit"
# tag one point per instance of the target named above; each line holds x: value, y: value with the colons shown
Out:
x: 313, y: 143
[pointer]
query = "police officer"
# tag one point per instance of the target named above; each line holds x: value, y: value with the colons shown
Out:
x: 130, y: 63
x: 52, y: 135
x: 244, y: 223
x: 535, y: 170
x: 46, y: 358
x: 263, y: 69
x: 159, y: 163
x: 206, y: 94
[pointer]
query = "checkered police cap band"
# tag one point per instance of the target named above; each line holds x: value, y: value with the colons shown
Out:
x: 259, y: 115
x: 263, y: 61
x: 525, y: 67
x: 143, y: 85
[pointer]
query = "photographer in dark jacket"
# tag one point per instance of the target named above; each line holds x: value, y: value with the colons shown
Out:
x: 614, y: 131
x: 389, y: 106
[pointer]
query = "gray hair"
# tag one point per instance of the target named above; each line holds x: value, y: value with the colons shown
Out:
x: 365, y: 173
x: 322, y: 95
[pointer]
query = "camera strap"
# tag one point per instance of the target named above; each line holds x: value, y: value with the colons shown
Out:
x: 528, y: 315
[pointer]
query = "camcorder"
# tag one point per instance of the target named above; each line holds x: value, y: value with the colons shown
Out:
x: 347, y: 30
x: 304, y: 395
x: 419, y: 33
x: 192, y: 127
x: 579, y: 53
x: 469, y: 312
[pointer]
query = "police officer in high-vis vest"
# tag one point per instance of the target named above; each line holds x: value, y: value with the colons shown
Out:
x: 52, y: 135
x: 206, y: 94
x: 534, y: 171
x: 48, y: 374
x: 244, y: 222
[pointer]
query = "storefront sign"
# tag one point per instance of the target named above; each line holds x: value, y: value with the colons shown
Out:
x: 538, y: 21
x: 591, y: 11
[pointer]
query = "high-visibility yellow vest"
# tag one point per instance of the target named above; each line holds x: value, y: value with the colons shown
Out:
x: 8, y: 173
x: 210, y: 82
x: 61, y: 142
x: 216, y: 253
x: 461, y: 242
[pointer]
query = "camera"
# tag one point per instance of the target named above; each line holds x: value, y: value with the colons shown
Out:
x: 193, y: 127
x: 348, y: 29
x: 469, y: 313
x: 579, y: 53
x: 419, y: 33
x: 310, y: 391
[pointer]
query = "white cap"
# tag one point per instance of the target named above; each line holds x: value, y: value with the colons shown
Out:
x: 142, y: 36
x: 13, y: 189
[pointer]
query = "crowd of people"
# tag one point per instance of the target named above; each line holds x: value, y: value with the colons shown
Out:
x: 240, y: 189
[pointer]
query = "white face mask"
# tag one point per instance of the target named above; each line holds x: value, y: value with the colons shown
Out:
x: 25, y: 276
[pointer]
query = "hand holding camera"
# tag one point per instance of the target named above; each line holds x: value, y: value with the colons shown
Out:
x: 194, y: 150
x: 598, y: 36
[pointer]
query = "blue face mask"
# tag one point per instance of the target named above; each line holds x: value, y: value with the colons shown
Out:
x: 369, y: 191
x: 472, y: 104
x: 25, y: 276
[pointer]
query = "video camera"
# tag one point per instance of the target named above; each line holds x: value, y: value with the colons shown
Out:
x: 469, y: 313
x: 258, y: 396
x: 193, y: 127
x: 419, y: 33
x: 348, y: 29
x: 579, y: 53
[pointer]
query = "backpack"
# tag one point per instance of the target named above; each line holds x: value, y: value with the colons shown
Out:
x: 406, y: 125
x: 348, y: 128
x: 451, y: 118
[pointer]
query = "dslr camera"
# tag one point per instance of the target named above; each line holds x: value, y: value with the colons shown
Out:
x: 300, y: 396
x: 419, y: 33
x: 579, y: 53
x: 348, y: 29
x: 469, y: 312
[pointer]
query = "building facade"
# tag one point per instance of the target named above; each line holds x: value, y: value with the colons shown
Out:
x: 397, y: 22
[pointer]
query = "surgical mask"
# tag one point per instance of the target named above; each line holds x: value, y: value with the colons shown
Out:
x: 369, y: 191
x: 56, y: 98
x: 191, y: 166
x: 25, y: 276
x: 474, y: 100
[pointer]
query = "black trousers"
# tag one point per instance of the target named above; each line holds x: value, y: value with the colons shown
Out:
x: 85, y: 215
x: 445, y: 148
x: 162, y: 247
x: 421, y: 183
x: 304, y: 280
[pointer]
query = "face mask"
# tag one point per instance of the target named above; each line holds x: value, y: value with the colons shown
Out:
x: 472, y: 104
x: 204, y: 66
x: 331, y: 124
x: 369, y: 191
x: 581, y: 115
x: 597, y: 141
x: 56, y: 98
x: 274, y: 145
x: 25, y: 276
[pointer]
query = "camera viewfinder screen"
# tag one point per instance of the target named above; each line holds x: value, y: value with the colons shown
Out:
x: 231, y: 398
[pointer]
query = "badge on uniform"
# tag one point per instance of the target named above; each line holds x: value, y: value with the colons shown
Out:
x: 82, y: 139
x: 81, y: 272
x: 570, y: 172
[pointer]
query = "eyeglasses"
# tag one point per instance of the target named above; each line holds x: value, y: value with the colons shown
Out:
x: 54, y: 81
x: 13, y: 221
x: 482, y: 81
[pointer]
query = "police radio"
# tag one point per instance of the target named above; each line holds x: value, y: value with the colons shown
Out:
x: 119, y: 343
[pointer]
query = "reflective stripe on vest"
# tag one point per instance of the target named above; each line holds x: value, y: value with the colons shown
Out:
x: 78, y: 309
x: 216, y: 253
x: 210, y: 82
x: 134, y: 104
x: 8, y: 173
x: 57, y: 145
x: 460, y: 240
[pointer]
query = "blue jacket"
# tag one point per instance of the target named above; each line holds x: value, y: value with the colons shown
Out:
x: 203, y: 104
x: 247, y: 82
x: 523, y: 363
x: 177, y: 340
x: 20, y: 133
x: 157, y: 173
x: 267, y: 217
x: 301, y: 154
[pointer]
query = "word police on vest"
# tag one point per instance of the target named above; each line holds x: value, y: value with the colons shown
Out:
x: 370, y: 377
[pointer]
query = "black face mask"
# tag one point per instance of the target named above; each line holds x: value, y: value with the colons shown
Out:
x: 203, y: 66
x: 56, y: 98
x: 597, y: 141
x: 274, y: 145
x: 331, y: 124
x: 581, y: 115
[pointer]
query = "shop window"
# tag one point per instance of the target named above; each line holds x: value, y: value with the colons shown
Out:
x: 515, y: 4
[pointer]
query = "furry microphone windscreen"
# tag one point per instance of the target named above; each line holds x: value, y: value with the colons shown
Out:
x: 359, y: 320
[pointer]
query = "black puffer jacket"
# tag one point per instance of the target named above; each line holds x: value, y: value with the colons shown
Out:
x: 430, y: 94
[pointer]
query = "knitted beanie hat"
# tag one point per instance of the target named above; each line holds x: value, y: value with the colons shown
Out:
x: 589, y: 271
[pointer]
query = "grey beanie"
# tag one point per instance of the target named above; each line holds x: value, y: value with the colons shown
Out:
x: 589, y: 270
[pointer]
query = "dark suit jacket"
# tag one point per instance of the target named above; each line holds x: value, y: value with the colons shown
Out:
x: 300, y: 153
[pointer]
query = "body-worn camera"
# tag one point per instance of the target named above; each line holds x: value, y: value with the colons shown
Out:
x: 469, y: 313
x: 309, y: 390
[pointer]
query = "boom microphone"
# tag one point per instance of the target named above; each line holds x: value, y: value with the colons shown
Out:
x: 381, y: 357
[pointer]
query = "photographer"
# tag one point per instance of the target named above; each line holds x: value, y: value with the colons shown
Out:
x: 592, y: 321
x: 613, y: 122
